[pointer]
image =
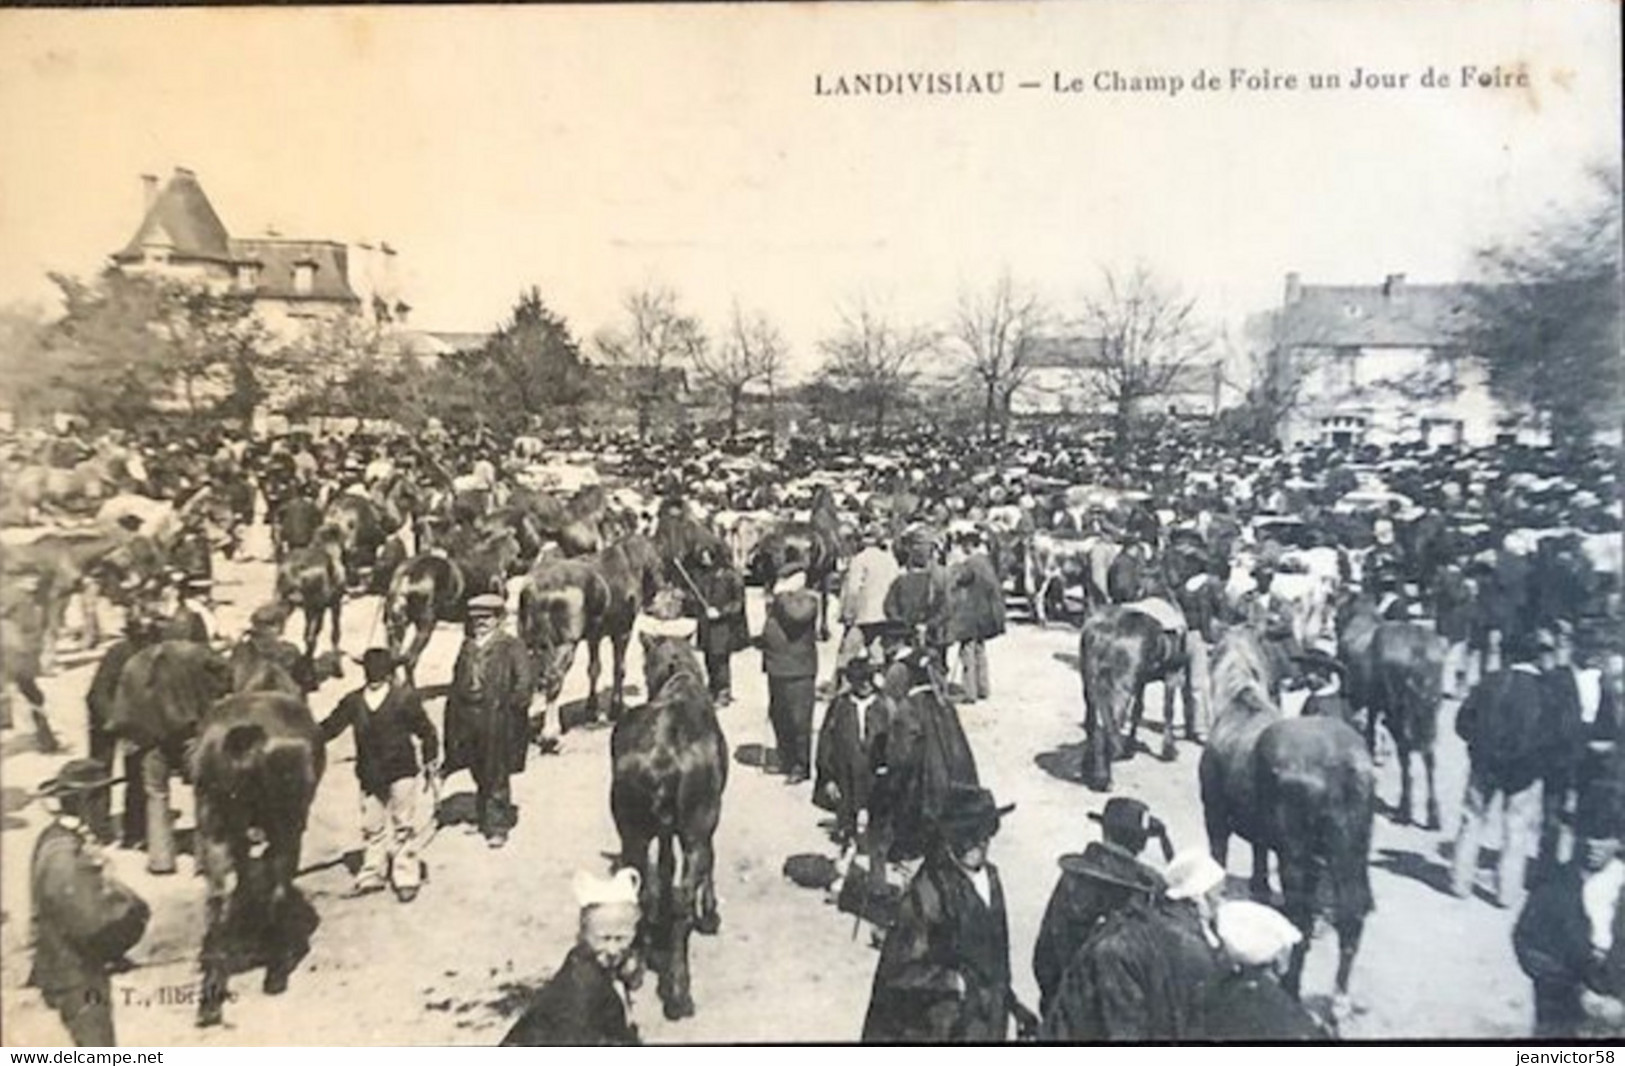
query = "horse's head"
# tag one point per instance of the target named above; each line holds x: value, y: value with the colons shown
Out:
x: 665, y: 658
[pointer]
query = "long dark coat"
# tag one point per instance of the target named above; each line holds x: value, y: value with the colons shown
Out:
x: 579, y: 1006
x: 926, y: 754
x: 975, y: 601
x: 1552, y: 938
x: 1092, y: 887
x: 1142, y: 977
x: 487, y: 709
x: 84, y: 920
x: 943, y: 928
x: 847, y: 749
x: 920, y: 598
x: 724, y: 590
x: 1244, y: 1008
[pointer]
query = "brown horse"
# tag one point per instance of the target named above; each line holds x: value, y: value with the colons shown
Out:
x: 257, y: 762
x: 312, y: 579
x: 670, y: 765
x: 361, y: 522
x: 1301, y: 787
x: 1121, y: 650
x: 567, y: 601
x: 425, y: 589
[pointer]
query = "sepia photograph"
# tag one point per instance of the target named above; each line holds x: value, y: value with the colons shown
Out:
x: 1063, y: 521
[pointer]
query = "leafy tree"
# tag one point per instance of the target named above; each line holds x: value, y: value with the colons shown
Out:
x: 998, y: 332
x: 533, y: 362
x: 25, y: 368
x: 874, y: 361
x: 654, y: 339
x: 1545, y: 322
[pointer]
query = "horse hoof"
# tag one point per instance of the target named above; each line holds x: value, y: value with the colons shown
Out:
x: 677, y: 1010
x: 275, y: 983
x: 1170, y: 754
x: 1097, y: 784
x: 1402, y: 818
x: 708, y: 924
x: 209, y: 1016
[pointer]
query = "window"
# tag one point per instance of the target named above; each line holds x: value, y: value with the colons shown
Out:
x: 304, y: 278
x: 248, y: 276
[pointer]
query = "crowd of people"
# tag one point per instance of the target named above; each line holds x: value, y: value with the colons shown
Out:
x: 1509, y: 553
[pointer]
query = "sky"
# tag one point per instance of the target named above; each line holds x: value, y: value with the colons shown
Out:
x: 592, y: 150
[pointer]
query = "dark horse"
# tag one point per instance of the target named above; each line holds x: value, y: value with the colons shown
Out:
x: 567, y: 601
x: 816, y: 542
x: 424, y: 590
x: 312, y: 579
x: 1395, y: 676
x: 1301, y: 787
x: 256, y: 766
x: 670, y: 766
x: 1121, y: 650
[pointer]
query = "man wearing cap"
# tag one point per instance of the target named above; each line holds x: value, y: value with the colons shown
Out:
x: 1510, y: 745
x: 944, y: 971
x: 1246, y: 1003
x: 722, y: 628
x: 975, y: 614
x: 84, y: 920
x: 1143, y: 975
x: 386, y: 717
x: 1094, y: 885
x: 585, y: 1001
x: 487, y: 715
x: 790, y: 660
x: 1570, y: 937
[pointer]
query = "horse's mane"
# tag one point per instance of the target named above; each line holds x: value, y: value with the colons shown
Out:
x: 1241, y: 674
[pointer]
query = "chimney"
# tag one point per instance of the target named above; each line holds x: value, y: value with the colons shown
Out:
x: 1294, y: 288
x: 183, y: 172
x: 149, y: 191
x: 1392, y: 285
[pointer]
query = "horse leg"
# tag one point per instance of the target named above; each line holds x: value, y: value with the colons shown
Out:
x: 701, y: 851
x: 45, y: 740
x: 676, y: 997
x: 1433, y: 796
x: 313, y: 631
x: 1169, y: 685
x: 1298, y: 887
x: 1258, y: 885
x: 215, y: 853
x: 1402, y: 816
x: 1038, y: 600
x: 421, y: 635
x: 282, y: 856
x: 617, y: 694
x: 823, y: 609
x: 594, y: 667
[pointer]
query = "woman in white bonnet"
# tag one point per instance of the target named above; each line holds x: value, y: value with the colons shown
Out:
x: 585, y: 1001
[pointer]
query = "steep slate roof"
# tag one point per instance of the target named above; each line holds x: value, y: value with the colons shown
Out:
x: 277, y: 258
x: 182, y: 216
x: 1388, y: 315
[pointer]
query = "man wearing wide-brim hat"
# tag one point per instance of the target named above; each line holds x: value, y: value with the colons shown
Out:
x: 488, y: 715
x: 944, y: 972
x: 84, y: 919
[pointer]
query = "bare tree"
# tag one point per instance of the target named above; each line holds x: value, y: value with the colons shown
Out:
x: 872, y: 360
x: 654, y: 339
x: 1143, y: 339
x: 1000, y: 332
x: 752, y: 351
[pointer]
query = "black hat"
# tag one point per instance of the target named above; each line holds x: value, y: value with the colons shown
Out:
x: 791, y: 566
x: 970, y: 812
x: 1319, y: 659
x: 1597, y: 814
x: 1125, y: 821
x: 859, y: 668
x: 76, y: 776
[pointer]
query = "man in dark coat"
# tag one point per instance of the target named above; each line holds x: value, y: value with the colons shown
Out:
x: 584, y: 1002
x: 1509, y: 747
x: 920, y: 759
x: 140, y: 631
x: 849, y: 743
x: 84, y: 920
x: 1143, y: 975
x: 722, y: 628
x: 918, y: 597
x: 975, y: 615
x: 386, y: 718
x: 944, y: 971
x: 790, y: 659
x: 1570, y: 936
x: 1561, y: 696
x: 487, y: 715
x: 1093, y: 886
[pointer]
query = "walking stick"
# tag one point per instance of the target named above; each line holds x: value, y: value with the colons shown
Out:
x: 695, y: 589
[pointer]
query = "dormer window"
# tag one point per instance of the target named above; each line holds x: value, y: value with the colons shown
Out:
x: 304, y: 278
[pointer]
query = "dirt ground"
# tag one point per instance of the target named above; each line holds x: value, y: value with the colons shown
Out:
x: 453, y: 967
